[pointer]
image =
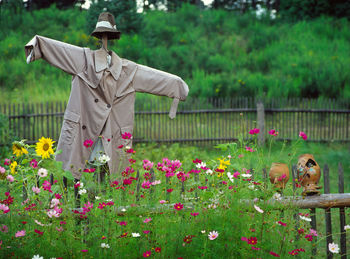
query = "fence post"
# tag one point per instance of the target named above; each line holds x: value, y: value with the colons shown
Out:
x: 261, y: 122
x: 342, y: 213
x: 327, y: 211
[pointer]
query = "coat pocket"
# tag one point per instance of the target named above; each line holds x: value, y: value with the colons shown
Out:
x: 126, y: 139
x: 70, y: 127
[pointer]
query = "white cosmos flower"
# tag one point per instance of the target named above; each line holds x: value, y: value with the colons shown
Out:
x: 103, y: 159
x: 42, y: 172
x: 210, y: 172
x: 200, y: 165
x: 82, y: 191
x: 135, y: 234
x: 213, y: 235
x: 123, y: 209
x: 203, y: 231
x: 277, y: 196
x: 258, y: 209
x: 37, y: 257
x: 230, y: 176
x: 334, y: 248
x: 347, y: 227
x: 104, y: 245
x: 97, y: 198
x: 305, y: 218
x: 246, y: 175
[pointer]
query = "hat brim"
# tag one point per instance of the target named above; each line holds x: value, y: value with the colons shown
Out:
x: 112, y: 34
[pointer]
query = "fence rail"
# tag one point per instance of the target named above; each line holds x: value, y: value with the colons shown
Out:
x: 199, y: 120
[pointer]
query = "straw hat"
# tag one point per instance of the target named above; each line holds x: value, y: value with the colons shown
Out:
x: 106, y: 25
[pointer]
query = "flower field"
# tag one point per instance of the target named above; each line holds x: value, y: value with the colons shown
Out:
x: 167, y: 208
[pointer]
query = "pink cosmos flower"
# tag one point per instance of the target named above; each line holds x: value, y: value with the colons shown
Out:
x: 147, y: 165
x: 213, y: 235
x: 123, y: 223
x: 88, y: 143
x: 249, y: 149
x: 42, y: 172
x: 146, y: 185
x: 162, y: 201
x: 147, y: 220
x: 178, y: 206
x: 33, y: 163
x: 254, y: 131
x: 59, y: 229
x: 2, y: 170
x: 146, y: 231
x: 36, y: 189
x: 303, y: 135
x: 20, y: 233
x: 255, y: 248
x: 313, y: 232
x: 10, y: 178
x: 4, y: 228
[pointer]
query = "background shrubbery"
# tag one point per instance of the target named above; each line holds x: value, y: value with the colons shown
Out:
x: 217, y: 52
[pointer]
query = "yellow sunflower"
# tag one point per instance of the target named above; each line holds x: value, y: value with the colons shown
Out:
x: 44, y: 147
x: 13, y: 167
x: 18, y: 148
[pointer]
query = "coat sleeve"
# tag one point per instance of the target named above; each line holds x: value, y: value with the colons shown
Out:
x: 67, y: 57
x: 153, y: 81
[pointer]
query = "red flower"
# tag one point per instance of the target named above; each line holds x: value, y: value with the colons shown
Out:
x: 126, y: 135
x: 188, y: 239
x: 197, y: 161
x: 147, y: 254
x: 301, y: 231
x: 178, y: 206
x: 58, y: 196
x: 88, y: 143
x: 132, y: 161
x: 121, y: 146
x: 202, y: 187
x: 24, y: 222
x: 131, y: 151
x: 89, y: 170
x: 252, y: 240
x: 169, y: 190
x: 255, y: 248
x: 157, y: 249
x: 274, y: 254
x: 39, y: 232
x: 281, y: 223
x: 194, y: 214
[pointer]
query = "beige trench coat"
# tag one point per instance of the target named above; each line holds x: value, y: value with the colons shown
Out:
x: 102, y: 99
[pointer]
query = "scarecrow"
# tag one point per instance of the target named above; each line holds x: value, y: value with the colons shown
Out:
x: 101, y: 102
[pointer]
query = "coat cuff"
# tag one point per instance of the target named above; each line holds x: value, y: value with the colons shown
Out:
x: 173, y: 109
x: 32, y: 49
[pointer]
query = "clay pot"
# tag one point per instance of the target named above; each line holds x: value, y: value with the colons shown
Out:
x: 309, y: 174
x: 279, y: 175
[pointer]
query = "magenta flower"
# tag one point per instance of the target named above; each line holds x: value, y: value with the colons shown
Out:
x: 178, y: 206
x: 4, y: 228
x: 20, y: 233
x: 7, y: 161
x: 47, y: 186
x: 281, y: 223
x: 38, y: 232
x: 147, y: 254
x: 194, y: 214
x: 88, y: 143
x: 126, y: 135
x: 147, y: 165
x: 33, y: 163
x: 236, y: 174
x: 2, y: 170
x: 273, y: 132
x: 254, y: 131
x: 303, y: 135
x: 274, y: 254
x: 162, y: 201
x: 146, y: 185
x: 89, y: 170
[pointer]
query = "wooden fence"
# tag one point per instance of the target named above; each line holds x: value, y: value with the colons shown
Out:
x: 199, y: 120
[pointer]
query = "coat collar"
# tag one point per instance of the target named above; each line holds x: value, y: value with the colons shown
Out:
x: 101, y: 63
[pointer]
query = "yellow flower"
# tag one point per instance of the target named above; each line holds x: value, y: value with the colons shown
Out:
x: 13, y: 167
x: 44, y: 147
x: 223, y: 164
x: 18, y: 148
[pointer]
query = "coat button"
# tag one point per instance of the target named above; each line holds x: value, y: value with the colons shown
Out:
x: 108, y: 106
x: 96, y: 100
x: 83, y: 127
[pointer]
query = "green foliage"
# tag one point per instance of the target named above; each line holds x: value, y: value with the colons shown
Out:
x: 218, y: 53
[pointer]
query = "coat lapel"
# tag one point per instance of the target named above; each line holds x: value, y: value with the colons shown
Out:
x: 101, y: 63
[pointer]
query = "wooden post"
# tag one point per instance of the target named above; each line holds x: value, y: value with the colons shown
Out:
x: 261, y: 122
x: 327, y: 211
x: 138, y: 185
x: 342, y: 213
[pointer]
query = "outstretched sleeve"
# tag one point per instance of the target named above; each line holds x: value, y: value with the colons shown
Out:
x: 67, y: 57
x: 153, y: 81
